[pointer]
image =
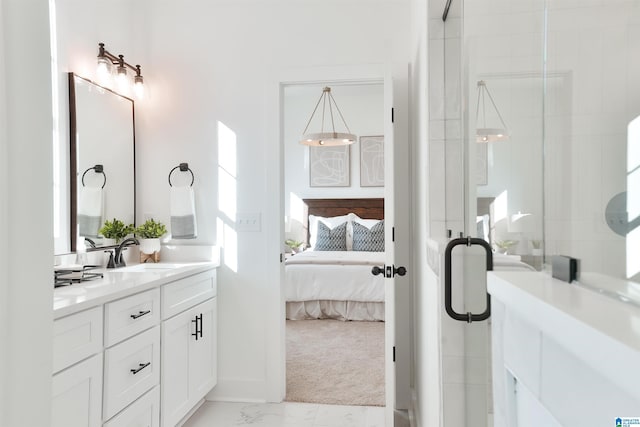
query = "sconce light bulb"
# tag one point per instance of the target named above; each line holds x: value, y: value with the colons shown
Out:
x: 103, y: 70
x: 121, y: 81
x: 138, y: 89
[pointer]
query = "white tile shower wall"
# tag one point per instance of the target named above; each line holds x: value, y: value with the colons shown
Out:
x: 596, y: 42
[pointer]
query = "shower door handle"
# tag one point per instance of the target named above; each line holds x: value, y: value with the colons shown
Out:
x: 448, y: 305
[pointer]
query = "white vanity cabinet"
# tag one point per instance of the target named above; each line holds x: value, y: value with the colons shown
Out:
x: 143, y: 355
x: 189, y: 345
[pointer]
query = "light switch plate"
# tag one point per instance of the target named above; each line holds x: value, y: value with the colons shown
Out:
x: 248, y: 222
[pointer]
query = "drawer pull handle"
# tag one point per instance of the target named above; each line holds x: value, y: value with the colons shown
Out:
x: 142, y: 366
x: 198, y: 331
x: 140, y: 314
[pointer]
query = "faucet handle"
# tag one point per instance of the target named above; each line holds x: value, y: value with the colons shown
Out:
x: 111, y: 263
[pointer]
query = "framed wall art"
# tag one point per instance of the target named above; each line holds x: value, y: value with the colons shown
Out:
x: 329, y: 166
x: 372, y: 161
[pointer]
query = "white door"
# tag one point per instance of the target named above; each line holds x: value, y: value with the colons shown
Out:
x: 398, y: 330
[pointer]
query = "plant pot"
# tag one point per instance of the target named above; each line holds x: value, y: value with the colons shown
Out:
x: 149, y: 246
x: 536, y: 252
x: 108, y: 242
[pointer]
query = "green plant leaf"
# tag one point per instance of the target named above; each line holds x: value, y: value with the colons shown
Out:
x: 150, y: 229
x: 116, y: 229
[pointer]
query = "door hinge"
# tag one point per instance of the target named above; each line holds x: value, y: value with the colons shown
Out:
x: 394, y: 353
x: 392, y: 115
x: 393, y: 234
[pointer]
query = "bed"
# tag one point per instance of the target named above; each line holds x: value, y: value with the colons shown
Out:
x: 336, y: 283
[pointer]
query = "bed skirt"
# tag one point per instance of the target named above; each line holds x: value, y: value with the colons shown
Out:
x: 340, y: 310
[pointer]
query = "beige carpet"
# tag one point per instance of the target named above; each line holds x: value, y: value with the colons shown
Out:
x: 335, y: 362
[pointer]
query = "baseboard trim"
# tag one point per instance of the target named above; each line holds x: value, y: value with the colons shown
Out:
x: 190, y: 413
x: 239, y: 390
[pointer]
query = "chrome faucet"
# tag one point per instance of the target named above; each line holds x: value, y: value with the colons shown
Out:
x: 118, y: 259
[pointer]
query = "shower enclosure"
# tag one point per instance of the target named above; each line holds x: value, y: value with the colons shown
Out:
x: 563, y: 83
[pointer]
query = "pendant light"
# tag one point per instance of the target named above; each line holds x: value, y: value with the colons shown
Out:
x: 484, y: 133
x: 323, y: 138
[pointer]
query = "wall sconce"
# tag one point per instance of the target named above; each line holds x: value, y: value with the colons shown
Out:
x: 322, y: 138
x: 105, y: 70
x: 484, y: 133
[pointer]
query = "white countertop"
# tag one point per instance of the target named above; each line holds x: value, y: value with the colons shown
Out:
x: 602, y: 331
x: 118, y: 283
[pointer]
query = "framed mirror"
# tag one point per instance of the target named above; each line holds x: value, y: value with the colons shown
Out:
x: 102, y: 161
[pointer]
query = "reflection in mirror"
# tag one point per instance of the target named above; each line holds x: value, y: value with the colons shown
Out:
x: 102, y: 166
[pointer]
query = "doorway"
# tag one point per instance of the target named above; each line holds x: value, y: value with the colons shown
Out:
x: 335, y: 312
x: 364, y: 75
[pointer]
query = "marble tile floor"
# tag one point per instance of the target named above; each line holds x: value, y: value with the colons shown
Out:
x: 285, y: 414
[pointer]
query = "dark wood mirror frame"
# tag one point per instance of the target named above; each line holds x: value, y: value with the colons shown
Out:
x: 73, y: 159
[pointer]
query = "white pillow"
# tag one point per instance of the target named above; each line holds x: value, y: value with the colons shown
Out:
x: 330, y: 222
x: 366, y: 222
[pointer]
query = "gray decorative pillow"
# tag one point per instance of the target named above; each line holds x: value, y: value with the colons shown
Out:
x: 331, y: 239
x: 368, y: 240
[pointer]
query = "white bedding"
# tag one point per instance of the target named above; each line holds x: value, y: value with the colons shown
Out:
x: 334, y: 276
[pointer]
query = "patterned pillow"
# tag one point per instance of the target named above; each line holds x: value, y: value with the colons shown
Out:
x: 331, y: 239
x: 368, y: 240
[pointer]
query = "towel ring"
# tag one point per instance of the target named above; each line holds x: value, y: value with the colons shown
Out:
x: 184, y: 167
x: 96, y: 169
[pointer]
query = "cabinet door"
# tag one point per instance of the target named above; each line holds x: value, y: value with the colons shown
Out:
x: 189, y: 360
x: 176, y: 334
x: 203, y: 359
x: 77, y: 395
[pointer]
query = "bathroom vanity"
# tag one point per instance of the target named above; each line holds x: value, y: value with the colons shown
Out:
x: 563, y: 354
x: 136, y: 347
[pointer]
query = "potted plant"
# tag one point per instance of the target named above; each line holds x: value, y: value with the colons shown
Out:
x: 115, y: 230
x: 295, y: 245
x: 536, y: 246
x: 149, y: 235
x: 504, y: 245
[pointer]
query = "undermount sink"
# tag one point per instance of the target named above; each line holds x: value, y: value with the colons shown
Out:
x: 148, y: 268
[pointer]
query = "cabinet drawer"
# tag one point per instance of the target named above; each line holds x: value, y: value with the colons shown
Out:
x: 144, y: 412
x: 76, y: 337
x: 128, y: 316
x: 130, y: 369
x: 185, y: 293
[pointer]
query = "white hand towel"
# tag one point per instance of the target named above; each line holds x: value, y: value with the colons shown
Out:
x: 90, y: 208
x: 183, y: 213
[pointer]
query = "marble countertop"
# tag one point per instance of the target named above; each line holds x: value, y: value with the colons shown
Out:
x: 600, y: 330
x: 121, y: 282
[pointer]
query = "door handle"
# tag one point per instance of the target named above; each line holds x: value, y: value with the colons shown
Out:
x: 400, y: 271
x: 198, y: 332
x: 389, y: 271
x: 377, y: 270
x: 448, y: 305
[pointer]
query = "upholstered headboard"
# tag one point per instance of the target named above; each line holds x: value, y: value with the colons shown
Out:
x: 364, y: 208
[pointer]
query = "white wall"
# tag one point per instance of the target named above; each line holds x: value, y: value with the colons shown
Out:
x: 223, y: 67
x: 26, y: 253
x: 362, y: 106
